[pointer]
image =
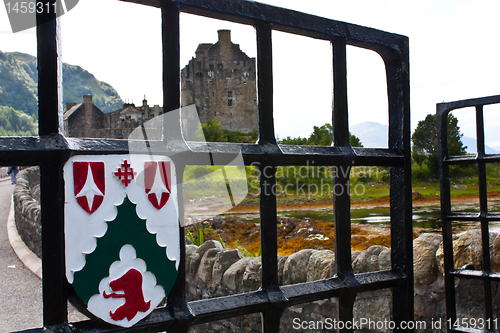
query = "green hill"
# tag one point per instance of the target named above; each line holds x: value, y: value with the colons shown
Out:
x: 18, y: 92
x: 18, y: 88
x: 78, y: 82
x: 18, y: 85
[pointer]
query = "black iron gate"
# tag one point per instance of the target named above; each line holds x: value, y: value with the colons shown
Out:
x: 51, y: 150
x: 483, y: 217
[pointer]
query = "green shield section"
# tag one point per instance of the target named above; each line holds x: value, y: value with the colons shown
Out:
x: 127, y: 228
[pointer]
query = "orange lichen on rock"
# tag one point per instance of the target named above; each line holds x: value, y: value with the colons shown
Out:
x: 294, y: 234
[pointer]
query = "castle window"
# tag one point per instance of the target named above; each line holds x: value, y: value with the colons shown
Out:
x: 210, y: 74
x: 228, y: 79
x: 220, y: 67
x: 229, y: 98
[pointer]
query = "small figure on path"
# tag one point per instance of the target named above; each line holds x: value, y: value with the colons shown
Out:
x: 13, y: 170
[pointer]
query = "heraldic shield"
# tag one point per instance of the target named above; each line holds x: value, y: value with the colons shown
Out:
x: 122, y: 234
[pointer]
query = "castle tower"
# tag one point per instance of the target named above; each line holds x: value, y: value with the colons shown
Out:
x: 225, y: 45
x: 87, y: 107
x: 221, y: 81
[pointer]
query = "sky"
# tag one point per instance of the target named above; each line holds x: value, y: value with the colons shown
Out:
x: 453, y: 55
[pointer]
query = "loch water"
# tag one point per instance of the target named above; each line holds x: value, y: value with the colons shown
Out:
x: 425, y: 218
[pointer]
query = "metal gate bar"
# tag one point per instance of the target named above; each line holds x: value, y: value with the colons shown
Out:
x: 483, y: 217
x: 51, y: 150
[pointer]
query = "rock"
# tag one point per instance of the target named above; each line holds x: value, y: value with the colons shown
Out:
x: 190, y: 252
x: 196, y: 258
x: 233, y: 277
x: 294, y: 270
x: 281, y: 265
x: 206, y: 265
x: 319, y: 264
x: 375, y: 305
x: 252, y: 277
x: 495, y: 257
x: 467, y: 249
x: 384, y: 260
x: 355, y: 254
x: 223, y: 260
x: 424, y: 258
x: 333, y: 266
x: 367, y: 261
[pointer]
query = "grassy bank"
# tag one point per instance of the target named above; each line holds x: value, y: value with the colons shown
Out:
x: 315, y: 184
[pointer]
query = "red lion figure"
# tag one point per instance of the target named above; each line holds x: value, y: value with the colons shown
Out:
x: 131, y: 285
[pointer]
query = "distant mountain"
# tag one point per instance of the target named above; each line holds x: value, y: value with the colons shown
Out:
x: 472, y: 146
x: 18, y: 85
x: 371, y: 134
x: 375, y: 135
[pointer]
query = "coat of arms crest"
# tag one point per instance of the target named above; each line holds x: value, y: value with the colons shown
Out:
x: 122, y: 234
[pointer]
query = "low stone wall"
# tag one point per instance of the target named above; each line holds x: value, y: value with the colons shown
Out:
x: 3, y: 172
x: 213, y: 271
x: 27, y: 208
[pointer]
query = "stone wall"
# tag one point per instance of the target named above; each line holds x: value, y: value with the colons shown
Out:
x: 3, y: 172
x: 27, y: 208
x: 213, y: 271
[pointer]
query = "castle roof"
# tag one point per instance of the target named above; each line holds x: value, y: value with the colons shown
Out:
x: 71, y: 111
x: 77, y: 107
x: 130, y: 109
x: 202, y: 48
x: 214, y: 52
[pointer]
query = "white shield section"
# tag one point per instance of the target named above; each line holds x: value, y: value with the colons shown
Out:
x: 83, y: 229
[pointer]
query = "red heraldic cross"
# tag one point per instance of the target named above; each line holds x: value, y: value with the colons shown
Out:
x: 88, y: 178
x: 157, y: 182
x: 125, y: 173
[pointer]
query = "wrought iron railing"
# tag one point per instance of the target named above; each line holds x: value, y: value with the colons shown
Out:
x: 483, y: 217
x: 51, y: 150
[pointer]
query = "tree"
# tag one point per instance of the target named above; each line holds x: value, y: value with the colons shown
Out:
x: 322, y: 136
x: 354, y: 140
x: 213, y: 132
x: 294, y: 141
x: 425, y: 147
x: 16, y: 123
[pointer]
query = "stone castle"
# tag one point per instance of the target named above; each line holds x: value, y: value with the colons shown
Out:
x: 220, y: 81
x: 85, y: 120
